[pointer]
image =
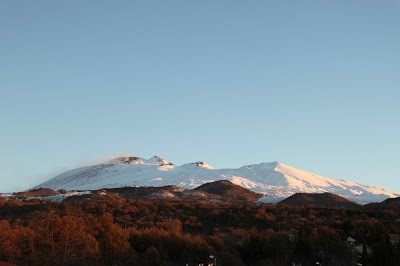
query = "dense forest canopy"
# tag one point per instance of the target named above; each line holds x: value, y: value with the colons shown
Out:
x: 161, y: 232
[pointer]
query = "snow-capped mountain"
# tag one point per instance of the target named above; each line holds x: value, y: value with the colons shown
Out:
x: 276, y: 180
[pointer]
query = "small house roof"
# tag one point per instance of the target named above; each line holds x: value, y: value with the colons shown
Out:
x: 350, y: 239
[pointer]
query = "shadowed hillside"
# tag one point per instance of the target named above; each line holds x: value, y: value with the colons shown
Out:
x: 227, y: 189
x: 219, y: 191
x: 328, y: 200
x: 389, y: 204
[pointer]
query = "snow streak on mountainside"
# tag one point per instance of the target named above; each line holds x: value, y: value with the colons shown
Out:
x: 275, y: 179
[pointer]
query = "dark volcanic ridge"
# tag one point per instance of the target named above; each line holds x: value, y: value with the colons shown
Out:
x: 388, y: 204
x: 327, y: 200
x: 226, y: 188
x: 222, y: 191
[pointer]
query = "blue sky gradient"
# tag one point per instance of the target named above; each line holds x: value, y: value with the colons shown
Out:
x: 313, y: 84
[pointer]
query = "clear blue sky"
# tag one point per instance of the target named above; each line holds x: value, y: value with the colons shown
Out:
x: 313, y: 84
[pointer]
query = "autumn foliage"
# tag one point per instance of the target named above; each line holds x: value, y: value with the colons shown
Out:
x: 144, y: 232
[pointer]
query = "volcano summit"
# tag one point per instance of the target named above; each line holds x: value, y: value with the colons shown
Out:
x: 275, y: 180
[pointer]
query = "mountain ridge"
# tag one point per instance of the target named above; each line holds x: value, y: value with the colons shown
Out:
x: 275, y: 179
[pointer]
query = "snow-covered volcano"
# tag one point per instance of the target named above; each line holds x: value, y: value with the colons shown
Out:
x: 275, y: 180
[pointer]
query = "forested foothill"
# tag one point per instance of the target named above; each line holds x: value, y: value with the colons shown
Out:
x: 119, y: 231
